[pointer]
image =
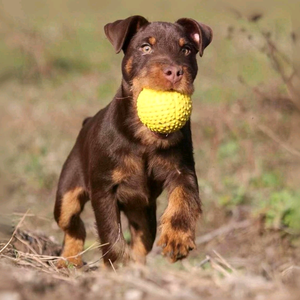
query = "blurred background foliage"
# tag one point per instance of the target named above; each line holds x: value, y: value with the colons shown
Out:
x: 57, y: 67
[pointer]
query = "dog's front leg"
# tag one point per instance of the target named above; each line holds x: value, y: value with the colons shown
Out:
x: 178, y: 222
x: 109, y: 228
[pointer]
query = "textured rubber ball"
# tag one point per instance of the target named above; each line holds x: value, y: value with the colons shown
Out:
x: 163, y: 112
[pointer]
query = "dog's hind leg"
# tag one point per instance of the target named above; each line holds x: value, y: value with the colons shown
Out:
x: 70, y: 200
x: 67, y: 214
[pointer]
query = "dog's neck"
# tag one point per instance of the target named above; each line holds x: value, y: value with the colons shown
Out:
x: 125, y: 89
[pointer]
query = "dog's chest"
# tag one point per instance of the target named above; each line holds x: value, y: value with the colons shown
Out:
x: 160, y: 167
x: 137, y: 176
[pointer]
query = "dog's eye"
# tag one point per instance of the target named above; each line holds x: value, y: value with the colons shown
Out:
x: 186, y: 50
x: 146, y: 48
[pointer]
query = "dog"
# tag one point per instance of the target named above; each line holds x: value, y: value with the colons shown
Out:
x: 120, y: 165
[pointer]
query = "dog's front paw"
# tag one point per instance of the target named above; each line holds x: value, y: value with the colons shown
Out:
x: 176, y: 244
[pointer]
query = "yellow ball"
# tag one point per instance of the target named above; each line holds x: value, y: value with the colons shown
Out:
x: 163, y: 112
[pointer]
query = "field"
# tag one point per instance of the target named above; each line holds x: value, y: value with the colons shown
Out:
x: 57, y: 67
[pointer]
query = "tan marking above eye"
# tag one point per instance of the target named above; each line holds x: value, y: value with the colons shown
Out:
x: 182, y: 42
x: 152, y: 40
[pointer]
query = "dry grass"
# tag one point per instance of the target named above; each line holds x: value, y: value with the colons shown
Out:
x: 30, y: 273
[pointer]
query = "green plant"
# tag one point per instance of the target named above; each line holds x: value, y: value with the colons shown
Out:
x: 267, y: 179
x: 236, y: 197
x: 229, y: 149
x: 281, y: 209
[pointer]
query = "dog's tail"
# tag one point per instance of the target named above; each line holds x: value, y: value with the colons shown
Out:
x: 85, y: 121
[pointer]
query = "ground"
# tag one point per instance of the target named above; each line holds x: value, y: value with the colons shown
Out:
x: 253, y: 265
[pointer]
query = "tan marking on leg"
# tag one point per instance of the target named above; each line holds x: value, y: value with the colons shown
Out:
x: 70, y: 205
x: 72, y: 247
x: 152, y: 40
x: 176, y: 203
x: 138, y: 248
x: 177, y: 243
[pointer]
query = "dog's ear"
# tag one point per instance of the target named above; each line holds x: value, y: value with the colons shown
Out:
x: 120, y: 32
x: 200, y: 33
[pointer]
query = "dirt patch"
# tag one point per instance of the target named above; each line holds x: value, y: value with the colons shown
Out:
x: 241, y: 262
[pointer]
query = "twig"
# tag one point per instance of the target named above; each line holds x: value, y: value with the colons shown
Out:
x: 26, y: 244
x: 274, y: 54
x: 274, y: 137
x: 26, y: 263
x: 18, y: 225
x: 110, y: 248
x: 48, y: 257
x: 28, y: 215
x: 218, y: 267
x: 223, y: 261
x: 204, y: 261
x: 289, y: 270
x: 222, y: 230
x: 112, y: 265
x: 35, y: 255
x: 92, y: 247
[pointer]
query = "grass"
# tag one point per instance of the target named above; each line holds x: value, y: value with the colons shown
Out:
x: 71, y: 71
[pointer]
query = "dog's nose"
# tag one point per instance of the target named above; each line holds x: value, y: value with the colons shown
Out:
x: 173, y: 74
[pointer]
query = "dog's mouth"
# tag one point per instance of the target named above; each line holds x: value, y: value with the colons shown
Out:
x: 163, y: 136
x: 163, y: 113
x: 153, y: 77
x: 187, y: 89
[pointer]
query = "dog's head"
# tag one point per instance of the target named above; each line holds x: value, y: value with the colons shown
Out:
x: 159, y: 55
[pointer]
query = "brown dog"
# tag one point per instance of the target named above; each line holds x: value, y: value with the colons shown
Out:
x: 120, y: 165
